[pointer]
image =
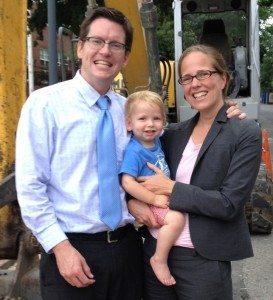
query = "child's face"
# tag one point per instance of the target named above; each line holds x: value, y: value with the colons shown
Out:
x: 146, y: 122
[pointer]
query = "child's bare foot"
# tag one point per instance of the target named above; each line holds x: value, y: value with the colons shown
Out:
x: 162, y: 272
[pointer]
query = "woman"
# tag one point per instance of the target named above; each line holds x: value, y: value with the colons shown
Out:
x: 214, y: 162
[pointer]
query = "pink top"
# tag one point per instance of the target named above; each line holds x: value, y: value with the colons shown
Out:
x: 183, y: 174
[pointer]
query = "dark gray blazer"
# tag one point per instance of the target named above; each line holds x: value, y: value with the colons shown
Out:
x: 221, y: 183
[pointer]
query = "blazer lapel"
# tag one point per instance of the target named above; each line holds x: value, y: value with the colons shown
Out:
x: 213, y: 132
x: 180, y: 138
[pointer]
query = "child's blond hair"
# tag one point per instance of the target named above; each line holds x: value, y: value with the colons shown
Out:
x: 144, y: 96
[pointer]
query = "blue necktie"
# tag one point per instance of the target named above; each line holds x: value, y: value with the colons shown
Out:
x: 109, y: 194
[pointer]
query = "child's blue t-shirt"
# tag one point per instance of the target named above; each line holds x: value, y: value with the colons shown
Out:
x: 136, y: 158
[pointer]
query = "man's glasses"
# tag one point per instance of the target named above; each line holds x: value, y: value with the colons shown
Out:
x: 201, y: 75
x: 97, y: 44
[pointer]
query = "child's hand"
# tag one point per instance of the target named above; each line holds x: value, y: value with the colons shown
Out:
x: 161, y: 201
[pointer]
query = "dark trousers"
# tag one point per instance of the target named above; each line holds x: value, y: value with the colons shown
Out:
x: 117, y: 268
x: 197, y: 278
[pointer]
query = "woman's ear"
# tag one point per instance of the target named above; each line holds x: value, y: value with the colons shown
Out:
x: 224, y: 78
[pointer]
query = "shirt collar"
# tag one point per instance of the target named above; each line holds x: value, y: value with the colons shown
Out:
x: 89, y: 94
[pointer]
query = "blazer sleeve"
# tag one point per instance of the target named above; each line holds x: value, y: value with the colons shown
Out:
x: 223, y: 200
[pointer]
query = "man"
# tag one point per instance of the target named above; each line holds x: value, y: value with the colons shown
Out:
x: 57, y: 176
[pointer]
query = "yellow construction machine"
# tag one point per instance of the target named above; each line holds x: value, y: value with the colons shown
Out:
x: 12, y: 95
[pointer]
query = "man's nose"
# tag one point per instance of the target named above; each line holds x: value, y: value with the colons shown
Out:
x: 105, y: 48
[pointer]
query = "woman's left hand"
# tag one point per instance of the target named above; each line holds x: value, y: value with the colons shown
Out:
x: 159, y: 183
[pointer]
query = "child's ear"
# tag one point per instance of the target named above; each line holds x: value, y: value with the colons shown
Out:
x: 128, y: 124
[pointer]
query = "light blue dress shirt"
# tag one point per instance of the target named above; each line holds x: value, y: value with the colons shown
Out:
x: 56, y: 161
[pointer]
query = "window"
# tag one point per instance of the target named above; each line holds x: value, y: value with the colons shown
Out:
x: 44, y: 58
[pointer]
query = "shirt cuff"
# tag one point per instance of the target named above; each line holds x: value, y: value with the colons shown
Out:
x: 50, y: 237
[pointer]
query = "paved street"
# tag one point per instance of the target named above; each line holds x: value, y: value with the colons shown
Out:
x: 253, y: 277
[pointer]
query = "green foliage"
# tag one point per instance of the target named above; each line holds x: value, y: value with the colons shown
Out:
x: 266, y: 55
x: 165, y: 32
x: 265, y: 3
x: 164, y: 7
x: 38, y: 18
x: 266, y: 44
x: 190, y: 37
x: 266, y: 68
x: 69, y: 14
x: 166, y: 38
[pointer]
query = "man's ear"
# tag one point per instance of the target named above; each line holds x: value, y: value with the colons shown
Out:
x: 79, y: 48
x: 126, y: 59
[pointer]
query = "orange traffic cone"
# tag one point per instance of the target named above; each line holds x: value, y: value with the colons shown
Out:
x: 266, y: 157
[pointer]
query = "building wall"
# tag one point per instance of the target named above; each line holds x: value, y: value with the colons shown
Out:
x: 40, y: 57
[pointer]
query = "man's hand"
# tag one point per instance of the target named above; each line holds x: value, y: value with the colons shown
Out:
x: 161, y: 201
x: 72, y: 266
x: 142, y: 213
x: 234, y: 110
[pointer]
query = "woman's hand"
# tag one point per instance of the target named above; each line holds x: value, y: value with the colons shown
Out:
x: 234, y: 110
x: 142, y: 213
x: 159, y: 183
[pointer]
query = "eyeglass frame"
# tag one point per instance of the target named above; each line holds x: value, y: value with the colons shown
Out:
x: 88, y: 38
x: 196, y: 76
